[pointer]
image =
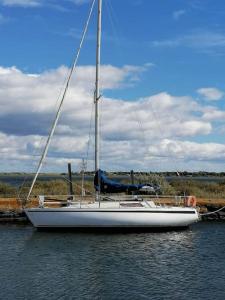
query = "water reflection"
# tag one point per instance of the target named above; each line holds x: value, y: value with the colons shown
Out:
x: 62, y: 265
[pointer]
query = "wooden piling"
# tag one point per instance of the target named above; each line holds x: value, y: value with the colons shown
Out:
x: 71, y: 192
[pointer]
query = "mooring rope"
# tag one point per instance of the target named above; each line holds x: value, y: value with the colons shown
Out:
x: 212, y: 212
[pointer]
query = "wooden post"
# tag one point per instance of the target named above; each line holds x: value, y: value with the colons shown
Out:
x: 132, y: 176
x: 70, y: 180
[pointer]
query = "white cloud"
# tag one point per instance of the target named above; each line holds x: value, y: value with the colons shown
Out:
x: 188, y: 150
x: 212, y: 113
x: 178, y: 13
x: 37, y: 3
x: 211, y: 93
x: 80, y: 2
x: 28, y: 104
x: 23, y: 3
x: 39, y: 92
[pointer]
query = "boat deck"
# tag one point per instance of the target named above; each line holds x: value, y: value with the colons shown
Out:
x: 108, y: 202
x: 123, y: 205
x: 113, y: 204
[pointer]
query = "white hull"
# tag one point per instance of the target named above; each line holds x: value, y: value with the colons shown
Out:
x: 158, y: 217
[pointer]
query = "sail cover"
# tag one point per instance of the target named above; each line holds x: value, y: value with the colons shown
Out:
x: 110, y: 186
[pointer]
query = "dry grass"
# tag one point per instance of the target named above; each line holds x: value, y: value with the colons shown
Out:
x: 207, y: 193
x: 14, y: 204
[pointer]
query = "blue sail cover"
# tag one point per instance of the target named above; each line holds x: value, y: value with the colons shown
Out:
x: 111, y: 186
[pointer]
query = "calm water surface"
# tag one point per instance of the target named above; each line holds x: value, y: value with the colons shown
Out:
x: 69, y: 265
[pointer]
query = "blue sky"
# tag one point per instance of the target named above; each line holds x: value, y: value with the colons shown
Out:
x: 184, y: 39
x: 168, y: 53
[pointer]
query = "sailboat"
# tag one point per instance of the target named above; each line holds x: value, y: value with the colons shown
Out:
x: 107, y: 211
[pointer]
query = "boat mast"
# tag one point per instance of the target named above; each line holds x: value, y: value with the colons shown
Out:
x: 97, y: 90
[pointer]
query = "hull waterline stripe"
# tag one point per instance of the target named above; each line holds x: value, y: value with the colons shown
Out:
x: 111, y: 226
x: 110, y: 211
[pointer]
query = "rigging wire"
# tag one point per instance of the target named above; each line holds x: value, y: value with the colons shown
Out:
x: 140, y: 125
x: 62, y: 101
x: 89, y: 137
x: 76, y: 184
x: 113, y: 21
x: 138, y: 120
x: 37, y: 153
x: 101, y: 155
x: 85, y: 161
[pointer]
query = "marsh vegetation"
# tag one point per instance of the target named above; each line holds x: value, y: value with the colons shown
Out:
x: 176, y: 186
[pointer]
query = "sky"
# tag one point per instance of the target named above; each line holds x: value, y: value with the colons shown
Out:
x: 162, y: 85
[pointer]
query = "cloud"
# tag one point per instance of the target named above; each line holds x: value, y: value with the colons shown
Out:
x: 31, y: 98
x: 202, y: 40
x: 211, y: 93
x: 28, y: 103
x: 38, y: 3
x: 189, y: 150
x: 22, y: 3
x: 80, y: 2
x: 39, y: 91
x: 178, y: 13
x: 213, y: 114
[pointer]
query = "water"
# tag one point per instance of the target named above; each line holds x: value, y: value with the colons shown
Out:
x: 68, y: 265
x: 18, y: 180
